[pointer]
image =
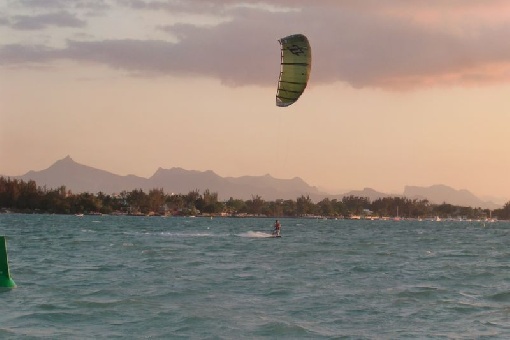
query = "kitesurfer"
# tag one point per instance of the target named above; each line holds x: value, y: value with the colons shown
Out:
x: 276, y: 228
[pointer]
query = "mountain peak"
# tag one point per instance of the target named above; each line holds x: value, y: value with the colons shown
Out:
x: 66, y: 162
x: 66, y: 159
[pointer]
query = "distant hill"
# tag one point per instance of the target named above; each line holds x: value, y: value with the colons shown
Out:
x: 441, y: 193
x: 81, y: 178
x: 178, y: 180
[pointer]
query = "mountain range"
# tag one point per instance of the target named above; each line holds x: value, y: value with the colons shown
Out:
x: 82, y: 178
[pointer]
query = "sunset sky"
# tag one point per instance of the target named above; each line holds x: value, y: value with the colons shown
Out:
x: 401, y: 92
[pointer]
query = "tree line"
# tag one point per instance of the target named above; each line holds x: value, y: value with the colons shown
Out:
x: 26, y: 197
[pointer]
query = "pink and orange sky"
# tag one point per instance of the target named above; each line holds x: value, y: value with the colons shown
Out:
x: 401, y: 93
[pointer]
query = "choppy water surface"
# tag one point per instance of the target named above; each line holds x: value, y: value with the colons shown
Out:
x: 153, y: 277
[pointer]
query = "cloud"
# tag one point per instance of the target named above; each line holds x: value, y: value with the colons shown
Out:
x: 62, y: 4
x: 382, y: 51
x: 188, y: 6
x: 366, y: 44
x: 43, y: 3
x: 37, y: 22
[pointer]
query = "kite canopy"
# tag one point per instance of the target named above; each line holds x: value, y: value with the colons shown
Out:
x: 296, y: 61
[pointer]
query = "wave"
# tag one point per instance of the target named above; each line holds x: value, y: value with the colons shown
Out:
x: 256, y: 234
x: 189, y: 234
x: 175, y: 234
x: 500, y: 297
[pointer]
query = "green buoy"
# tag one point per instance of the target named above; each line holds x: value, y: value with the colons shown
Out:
x: 5, y: 276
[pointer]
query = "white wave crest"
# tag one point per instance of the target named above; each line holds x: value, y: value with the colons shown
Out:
x: 256, y: 234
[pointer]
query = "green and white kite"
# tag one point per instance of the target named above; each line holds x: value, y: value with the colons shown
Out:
x: 296, y: 62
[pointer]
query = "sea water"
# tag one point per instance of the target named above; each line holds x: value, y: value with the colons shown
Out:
x: 168, y: 278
